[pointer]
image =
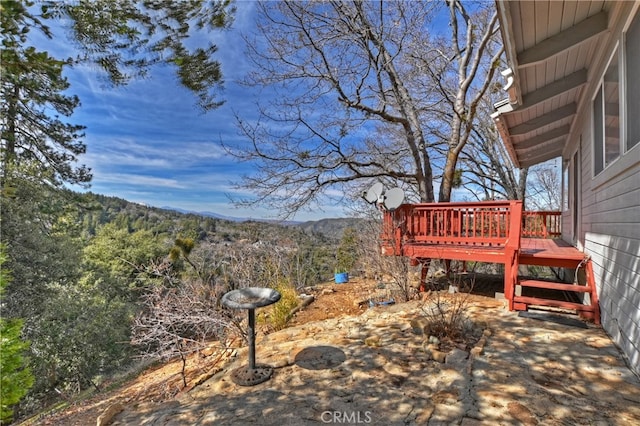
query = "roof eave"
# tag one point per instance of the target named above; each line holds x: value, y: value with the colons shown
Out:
x: 511, y: 74
x: 512, y: 86
x: 501, y: 125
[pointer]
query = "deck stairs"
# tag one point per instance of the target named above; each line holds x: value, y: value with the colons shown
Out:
x: 579, y: 298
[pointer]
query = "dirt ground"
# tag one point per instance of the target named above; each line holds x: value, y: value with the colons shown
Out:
x: 163, y: 382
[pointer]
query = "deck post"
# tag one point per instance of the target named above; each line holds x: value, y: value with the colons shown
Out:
x: 512, y: 249
x: 593, y: 293
x: 398, y: 241
x: 423, y: 274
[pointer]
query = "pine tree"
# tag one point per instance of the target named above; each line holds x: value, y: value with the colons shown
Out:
x: 34, y: 136
x: 347, y: 255
x: 39, y: 150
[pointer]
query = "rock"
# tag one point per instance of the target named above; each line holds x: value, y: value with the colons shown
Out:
x: 456, y: 357
x: 354, y: 333
x: 420, y: 325
x: 477, y: 351
x: 372, y: 341
x: 434, y: 340
x: 107, y: 415
x: 439, y: 356
x: 432, y: 352
x: 394, y: 370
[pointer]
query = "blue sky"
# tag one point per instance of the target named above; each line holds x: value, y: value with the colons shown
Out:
x: 148, y: 142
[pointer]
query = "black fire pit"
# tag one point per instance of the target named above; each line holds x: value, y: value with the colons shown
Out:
x: 251, y: 298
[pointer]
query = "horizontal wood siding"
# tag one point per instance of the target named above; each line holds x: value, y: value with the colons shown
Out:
x: 609, y: 214
x: 610, y: 234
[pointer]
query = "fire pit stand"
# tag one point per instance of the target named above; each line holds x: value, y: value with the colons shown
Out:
x: 251, y: 298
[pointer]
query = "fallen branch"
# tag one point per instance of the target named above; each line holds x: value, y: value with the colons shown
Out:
x: 306, y: 301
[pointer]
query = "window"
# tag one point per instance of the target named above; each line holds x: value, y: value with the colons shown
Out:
x: 598, y: 142
x: 606, y: 117
x: 611, y: 94
x: 616, y: 104
x: 632, y: 92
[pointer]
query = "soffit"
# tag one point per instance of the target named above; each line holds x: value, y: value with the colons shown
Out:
x: 550, y: 47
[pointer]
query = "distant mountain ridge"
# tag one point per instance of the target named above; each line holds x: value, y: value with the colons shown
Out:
x: 233, y: 218
x: 207, y: 214
x: 330, y: 227
x: 333, y: 228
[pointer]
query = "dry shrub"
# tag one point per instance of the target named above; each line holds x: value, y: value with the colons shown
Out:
x: 446, y: 314
x: 178, y: 321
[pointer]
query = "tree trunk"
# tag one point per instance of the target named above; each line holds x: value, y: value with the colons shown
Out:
x: 522, y: 187
x: 448, y: 175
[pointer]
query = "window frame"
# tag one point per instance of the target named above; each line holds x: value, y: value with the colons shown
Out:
x: 599, y: 116
x: 628, y: 156
x: 625, y: 76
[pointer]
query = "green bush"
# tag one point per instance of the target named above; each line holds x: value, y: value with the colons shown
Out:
x: 278, y: 315
x: 16, y: 378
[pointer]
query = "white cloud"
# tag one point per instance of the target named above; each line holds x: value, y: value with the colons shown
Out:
x: 148, y: 141
x: 131, y: 179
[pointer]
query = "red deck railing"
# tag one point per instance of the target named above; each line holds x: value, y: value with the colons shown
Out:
x: 478, y: 224
x: 541, y: 224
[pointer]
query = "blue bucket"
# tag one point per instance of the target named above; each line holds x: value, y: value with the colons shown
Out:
x: 342, y: 277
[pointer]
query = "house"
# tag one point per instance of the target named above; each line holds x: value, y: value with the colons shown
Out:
x: 573, y: 84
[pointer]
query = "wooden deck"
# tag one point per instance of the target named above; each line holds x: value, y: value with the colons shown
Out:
x: 494, y: 232
x: 549, y: 252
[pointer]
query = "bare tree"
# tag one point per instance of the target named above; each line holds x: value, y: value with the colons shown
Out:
x: 476, y: 56
x: 487, y: 171
x: 356, y: 92
x: 544, y: 186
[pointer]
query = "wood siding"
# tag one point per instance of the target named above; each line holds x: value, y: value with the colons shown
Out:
x: 609, y: 228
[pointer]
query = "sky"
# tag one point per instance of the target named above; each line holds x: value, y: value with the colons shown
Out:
x: 148, y: 142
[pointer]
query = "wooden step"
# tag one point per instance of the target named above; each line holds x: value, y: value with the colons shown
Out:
x: 555, y: 303
x: 555, y: 286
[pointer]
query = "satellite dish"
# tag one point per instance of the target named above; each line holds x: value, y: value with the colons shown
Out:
x: 374, y: 193
x: 393, y: 198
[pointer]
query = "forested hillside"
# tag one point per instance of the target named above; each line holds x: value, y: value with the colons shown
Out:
x: 98, y: 282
